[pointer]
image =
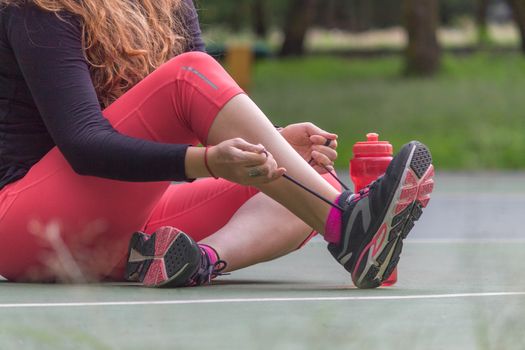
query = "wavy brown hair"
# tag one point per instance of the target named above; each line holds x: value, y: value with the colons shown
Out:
x: 123, y: 40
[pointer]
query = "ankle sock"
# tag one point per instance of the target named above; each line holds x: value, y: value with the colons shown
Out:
x: 212, y: 253
x: 332, y: 229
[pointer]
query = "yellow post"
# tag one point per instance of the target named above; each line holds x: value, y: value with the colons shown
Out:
x: 239, y: 62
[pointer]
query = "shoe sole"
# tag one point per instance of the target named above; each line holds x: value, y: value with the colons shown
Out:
x: 380, y: 257
x: 168, y: 259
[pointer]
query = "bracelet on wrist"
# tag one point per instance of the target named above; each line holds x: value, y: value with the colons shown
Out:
x: 206, y: 163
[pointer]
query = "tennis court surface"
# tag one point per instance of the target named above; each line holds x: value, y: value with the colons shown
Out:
x: 462, y: 286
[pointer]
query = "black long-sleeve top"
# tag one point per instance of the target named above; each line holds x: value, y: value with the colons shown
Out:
x: 47, y: 98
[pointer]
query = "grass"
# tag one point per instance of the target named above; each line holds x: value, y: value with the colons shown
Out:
x: 472, y: 114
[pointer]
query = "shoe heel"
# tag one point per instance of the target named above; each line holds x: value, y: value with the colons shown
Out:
x: 134, y: 265
x: 421, y: 160
x: 419, y: 182
x: 176, y: 258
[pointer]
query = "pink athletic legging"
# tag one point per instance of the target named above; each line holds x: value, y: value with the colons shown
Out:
x: 56, y: 223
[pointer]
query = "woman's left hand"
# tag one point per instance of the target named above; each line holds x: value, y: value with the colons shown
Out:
x: 316, y: 146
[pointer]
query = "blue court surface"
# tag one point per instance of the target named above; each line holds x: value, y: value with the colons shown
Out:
x: 461, y: 286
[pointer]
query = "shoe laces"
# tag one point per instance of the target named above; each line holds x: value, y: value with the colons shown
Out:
x: 207, y: 270
x: 365, y: 190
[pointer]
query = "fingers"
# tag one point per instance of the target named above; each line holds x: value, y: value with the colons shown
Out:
x: 265, y: 173
x: 323, y: 162
x: 246, y: 146
x: 310, y: 129
x: 324, y: 141
x: 260, y: 163
x: 324, y: 155
x: 329, y: 152
x: 242, y: 162
x: 314, y: 130
x: 248, y: 154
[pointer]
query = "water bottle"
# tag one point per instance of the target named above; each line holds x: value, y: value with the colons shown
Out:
x: 371, y: 158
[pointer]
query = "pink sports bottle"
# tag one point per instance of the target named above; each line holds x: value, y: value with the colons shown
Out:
x: 371, y: 158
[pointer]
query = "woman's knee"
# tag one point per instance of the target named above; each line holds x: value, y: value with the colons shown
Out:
x: 201, y: 71
x: 190, y: 57
x: 201, y: 88
x: 188, y: 61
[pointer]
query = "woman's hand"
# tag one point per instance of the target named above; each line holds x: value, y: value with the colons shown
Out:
x: 316, y: 146
x: 242, y: 162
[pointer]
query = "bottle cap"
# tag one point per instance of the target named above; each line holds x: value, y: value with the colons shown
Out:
x: 372, y: 137
x: 372, y: 147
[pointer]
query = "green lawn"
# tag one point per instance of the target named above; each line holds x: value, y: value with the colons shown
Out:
x: 472, y: 114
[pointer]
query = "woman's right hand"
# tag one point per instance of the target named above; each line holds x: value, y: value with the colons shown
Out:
x: 239, y: 161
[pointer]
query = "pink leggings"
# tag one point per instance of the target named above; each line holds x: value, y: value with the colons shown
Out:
x: 56, y: 223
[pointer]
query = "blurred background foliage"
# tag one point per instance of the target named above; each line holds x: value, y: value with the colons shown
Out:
x: 448, y: 72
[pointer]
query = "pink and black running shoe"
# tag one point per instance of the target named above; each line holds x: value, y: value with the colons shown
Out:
x: 170, y: 258
x: 379, y: 217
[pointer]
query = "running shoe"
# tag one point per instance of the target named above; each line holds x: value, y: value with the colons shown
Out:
x: 379, y: 217
x: 169, y: 258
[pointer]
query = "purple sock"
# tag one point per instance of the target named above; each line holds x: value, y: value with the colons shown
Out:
x: 332, y: 228
x: 212, y: 254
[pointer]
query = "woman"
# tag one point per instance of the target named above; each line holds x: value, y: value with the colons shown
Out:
x: 102, y: 106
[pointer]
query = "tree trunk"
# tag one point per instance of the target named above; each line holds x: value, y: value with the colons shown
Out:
x: 518, y: 10
x: 299, y: 18
x: 481, y: 22
x: 259, y: 19
x: 237, y: 17
x: 423, y: 54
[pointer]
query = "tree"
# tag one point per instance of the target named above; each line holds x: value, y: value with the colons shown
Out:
x: 518, y: 10
x: 423, y: 53
x: 260, y: 26
x: 238, y: 15
x: 299, y: 17
x: 481, y: 21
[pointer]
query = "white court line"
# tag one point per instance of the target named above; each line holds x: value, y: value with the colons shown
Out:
x: 319, y: 240
x: 465, y: 240
x: 259, y: 300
